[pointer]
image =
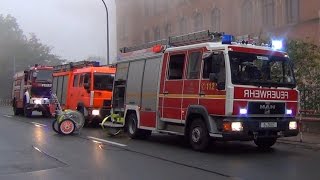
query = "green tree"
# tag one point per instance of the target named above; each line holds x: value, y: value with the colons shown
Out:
x: 26, y: 51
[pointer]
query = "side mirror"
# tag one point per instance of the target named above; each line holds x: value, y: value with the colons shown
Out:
x: 213, y: 77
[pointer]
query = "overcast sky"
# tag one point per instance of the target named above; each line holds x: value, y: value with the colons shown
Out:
x: 75, y: 29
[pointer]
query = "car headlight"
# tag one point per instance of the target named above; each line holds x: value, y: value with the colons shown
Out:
x: 293, y: 125
x: 37, y: 101
x: 95, y: 112
x: 236, y: 126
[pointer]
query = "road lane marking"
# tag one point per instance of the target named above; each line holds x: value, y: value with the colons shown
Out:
x: 38, y: 124
x: 98, y: 140
x: 8, y: 116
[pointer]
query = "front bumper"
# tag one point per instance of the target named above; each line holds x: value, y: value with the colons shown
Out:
x: 103, y: 112
x: 38, y: 107
x: 252, y: 129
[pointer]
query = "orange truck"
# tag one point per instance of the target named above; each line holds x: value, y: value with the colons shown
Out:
x: 84, y: 86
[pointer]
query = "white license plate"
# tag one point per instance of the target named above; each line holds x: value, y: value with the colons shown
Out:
x: 268, y: 124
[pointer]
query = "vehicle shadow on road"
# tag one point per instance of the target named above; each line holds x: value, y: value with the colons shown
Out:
x: 216, y: 147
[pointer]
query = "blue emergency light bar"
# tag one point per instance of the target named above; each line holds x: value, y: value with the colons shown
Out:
x: 227, y: 39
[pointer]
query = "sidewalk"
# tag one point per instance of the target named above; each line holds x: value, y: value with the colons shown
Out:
x: 311, y: 140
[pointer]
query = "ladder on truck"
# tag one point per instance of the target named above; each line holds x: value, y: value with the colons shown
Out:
x: 55, y: 101
x: 72, y: 65
x: 181, y: 40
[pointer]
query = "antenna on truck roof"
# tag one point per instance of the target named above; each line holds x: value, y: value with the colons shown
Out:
x: 181, y: 40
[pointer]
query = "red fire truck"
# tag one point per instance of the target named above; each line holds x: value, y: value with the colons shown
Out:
x: 31, y: 91
x: 205, y: 86
x: 84, y: 86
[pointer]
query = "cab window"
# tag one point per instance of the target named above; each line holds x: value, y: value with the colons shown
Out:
x: 194, y: 63
x: 76, y: 81
x: 176, y: 66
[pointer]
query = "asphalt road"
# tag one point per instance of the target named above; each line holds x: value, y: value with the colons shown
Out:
x: 30, y: 149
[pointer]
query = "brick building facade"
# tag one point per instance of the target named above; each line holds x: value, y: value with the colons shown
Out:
x: 140, y: 21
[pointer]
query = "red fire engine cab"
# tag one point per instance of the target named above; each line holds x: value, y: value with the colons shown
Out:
x: 31, y: 91
x: 203, y: 85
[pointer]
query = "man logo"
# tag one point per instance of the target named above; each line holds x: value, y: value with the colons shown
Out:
x: 267, y: 107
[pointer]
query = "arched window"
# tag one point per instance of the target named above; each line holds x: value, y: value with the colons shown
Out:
x: 183, y: 25
x: 198, y: 22
x: 247, y: 17
x: 215, y: 19
x: 167, y: 30
x: 268, y: 10
x: 156, y: 33
x: 292, y: 11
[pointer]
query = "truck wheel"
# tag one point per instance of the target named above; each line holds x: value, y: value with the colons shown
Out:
x: 27, y: 112
x: 16, y: 111
x: 265, y: 143
x: 133, y: 126
x: 67, y: 127
x: 133, y: 130
x: 198, y: 135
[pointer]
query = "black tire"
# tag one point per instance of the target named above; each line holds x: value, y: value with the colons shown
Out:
x: 265, y: 143
x: 55, y: 126
x: 27, y: 112
x: 16, y: 110
x: 132, y: 128
x: 198, y: 135
x: 67, y: 127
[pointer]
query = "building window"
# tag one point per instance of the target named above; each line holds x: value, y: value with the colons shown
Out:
x: 268, y: 10
x: 198, y: 22
x: 183, y: 25
x: 156, y: 33
x: 292, y: 11
x: 176, y: 66
x: 167, y: 30
x: 247, y: 17
x: 215, y: 19
x: 146, y: 36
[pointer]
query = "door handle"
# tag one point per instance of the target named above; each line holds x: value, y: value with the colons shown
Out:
x: 166, y: 92
x: 202, y: 93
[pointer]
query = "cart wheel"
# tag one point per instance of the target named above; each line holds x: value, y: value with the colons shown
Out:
x: 67, y: 127
x: 55, y: 126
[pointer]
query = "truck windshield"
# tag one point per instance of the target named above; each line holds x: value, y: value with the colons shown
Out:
x: 103, y: 81
x: 261, y: 70
x: 40, y: 92
x: 43, y: 75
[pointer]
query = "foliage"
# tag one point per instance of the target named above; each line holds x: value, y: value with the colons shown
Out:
x: 306, y: 59
x: 18, y: 52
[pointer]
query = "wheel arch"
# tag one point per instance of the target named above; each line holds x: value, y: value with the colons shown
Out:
x: 198, y: 111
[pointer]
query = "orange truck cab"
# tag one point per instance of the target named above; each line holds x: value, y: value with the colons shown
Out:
x: 84, y: 86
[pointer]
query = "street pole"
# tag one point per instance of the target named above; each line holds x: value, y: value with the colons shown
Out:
x: 107, y: 15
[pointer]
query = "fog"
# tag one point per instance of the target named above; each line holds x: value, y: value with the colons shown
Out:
x: 76, y: 29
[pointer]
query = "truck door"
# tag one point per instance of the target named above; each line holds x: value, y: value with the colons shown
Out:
x: 173, y: 85
x: 213, y: 94
x: 74, y: 92
x: 192, y: 81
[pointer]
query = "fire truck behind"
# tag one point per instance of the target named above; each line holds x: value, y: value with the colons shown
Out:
x: 84, y: 86
x: 204, y: 86
x: 31, y: 91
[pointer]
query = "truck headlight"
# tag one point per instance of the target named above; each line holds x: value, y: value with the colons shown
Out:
x: 37, y: 101
x: 236, y: 126
x: 96, y: 112
x: 293, y: 125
